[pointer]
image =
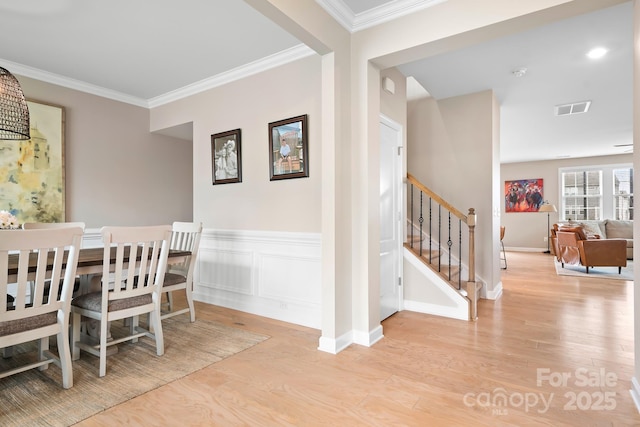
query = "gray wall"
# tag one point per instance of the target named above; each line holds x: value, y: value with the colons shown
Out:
x: 117, y: 172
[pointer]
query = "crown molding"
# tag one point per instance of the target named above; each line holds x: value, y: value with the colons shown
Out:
x: 56, y: 79
x: 272, y: 61
x: 340, y: 12
x: 375, y: 16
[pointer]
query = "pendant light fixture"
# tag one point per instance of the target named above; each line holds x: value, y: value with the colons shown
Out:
x: 14, y: 112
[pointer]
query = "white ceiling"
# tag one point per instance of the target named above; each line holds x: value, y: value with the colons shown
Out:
x: 149, y: 52
x: 558, y: 72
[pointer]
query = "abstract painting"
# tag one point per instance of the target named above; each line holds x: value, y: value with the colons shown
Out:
x: 523, y: 195
x: 32, y: 171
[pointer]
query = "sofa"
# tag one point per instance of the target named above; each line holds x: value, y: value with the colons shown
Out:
x: 599, y: 230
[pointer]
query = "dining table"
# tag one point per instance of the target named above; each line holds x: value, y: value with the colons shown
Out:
x: 90, y: 260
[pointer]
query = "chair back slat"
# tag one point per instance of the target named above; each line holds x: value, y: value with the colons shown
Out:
x: 42, y: 260
x: 141, y: 260
x: 185, y: 236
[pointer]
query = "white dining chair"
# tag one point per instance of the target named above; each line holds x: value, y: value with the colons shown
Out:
x: 54, y: 225
x: 185, y: 236
x: 41, y: 225
x: 130, y: 290
x: 44, y: 314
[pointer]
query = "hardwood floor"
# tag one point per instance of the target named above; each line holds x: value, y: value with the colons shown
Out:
x: 427, y: 371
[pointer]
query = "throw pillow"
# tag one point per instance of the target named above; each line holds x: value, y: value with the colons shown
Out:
x: 620, y: 229
x: 592, y: 230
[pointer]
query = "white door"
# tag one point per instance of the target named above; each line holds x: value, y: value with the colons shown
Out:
x: 390, y: 216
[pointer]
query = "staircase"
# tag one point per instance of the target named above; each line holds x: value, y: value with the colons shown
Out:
x: 442, y: 239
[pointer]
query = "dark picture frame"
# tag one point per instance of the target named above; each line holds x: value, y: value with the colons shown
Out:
x: 288, y: 148
x: 226, y: 159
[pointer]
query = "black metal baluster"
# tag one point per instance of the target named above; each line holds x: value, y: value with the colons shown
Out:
x: 460, y: 253
x: 449, y: 243
x: 439, y: 238
x: 421, y: 220
x: 430, y: 230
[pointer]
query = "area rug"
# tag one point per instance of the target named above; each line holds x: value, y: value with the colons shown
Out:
x: 596, y: 272
x: 36, y: 398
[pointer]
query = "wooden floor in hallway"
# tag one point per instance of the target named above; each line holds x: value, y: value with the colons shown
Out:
x: 552, y: 351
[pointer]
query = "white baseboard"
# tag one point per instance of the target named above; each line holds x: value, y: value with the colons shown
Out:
x: 368, y: 339
x: 521, y: 249
x: 336, y: 345
x: 494, y: 294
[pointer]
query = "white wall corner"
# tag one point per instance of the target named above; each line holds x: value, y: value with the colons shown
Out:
x: 635, y: 392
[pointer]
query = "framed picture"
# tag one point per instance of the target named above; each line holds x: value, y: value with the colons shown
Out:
x: 523, y: 195
x: 226, y: 160
x: 288, y: 148
x: 32, y: 175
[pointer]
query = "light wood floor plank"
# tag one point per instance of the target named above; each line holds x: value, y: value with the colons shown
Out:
x: 427, y: 371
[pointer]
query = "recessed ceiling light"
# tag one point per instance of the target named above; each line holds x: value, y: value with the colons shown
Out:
x: 597, y: 53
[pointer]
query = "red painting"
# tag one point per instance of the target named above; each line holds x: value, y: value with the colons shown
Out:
x: 523, y: 195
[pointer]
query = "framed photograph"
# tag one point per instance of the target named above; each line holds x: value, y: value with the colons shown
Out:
x: 226, y: 160
x: 523, y: 195
x: 288, y: 148
x: 32, y: 175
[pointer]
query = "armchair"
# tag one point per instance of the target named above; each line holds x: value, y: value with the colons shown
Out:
x: 572, y: 247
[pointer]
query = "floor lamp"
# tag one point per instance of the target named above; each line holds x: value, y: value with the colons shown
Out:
x: 548, y: 208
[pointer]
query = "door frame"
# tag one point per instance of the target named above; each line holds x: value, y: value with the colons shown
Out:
x: 401, y: 190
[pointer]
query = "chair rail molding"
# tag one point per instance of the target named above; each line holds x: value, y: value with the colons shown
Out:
x: 270, y: 274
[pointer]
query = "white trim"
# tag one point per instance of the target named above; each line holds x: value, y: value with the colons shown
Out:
x: 272, y: 61
x: 70, y: 83
x: 460, y: 309
x: 368, y: 339
x: 390, y: 11
x: 255, y: 67
x: 635, y: 392
x: 384, y: 13
x: 401, y: 173
x: 335, y: 345
x: 524, y: 249
x: 238, y: 269
x: 436, y: 310
x: 495, y: 294
x: 284, y: 237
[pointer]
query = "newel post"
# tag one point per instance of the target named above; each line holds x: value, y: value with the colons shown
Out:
x: 472, y: 290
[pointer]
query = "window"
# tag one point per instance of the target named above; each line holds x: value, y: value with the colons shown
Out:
x: 582, y: 194
x: 623, y: 193
x: 596, y: 193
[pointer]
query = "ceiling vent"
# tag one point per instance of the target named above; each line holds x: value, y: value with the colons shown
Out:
x: 575, y: 108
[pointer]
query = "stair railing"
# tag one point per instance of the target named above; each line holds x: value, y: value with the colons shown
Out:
x: 443, y: 254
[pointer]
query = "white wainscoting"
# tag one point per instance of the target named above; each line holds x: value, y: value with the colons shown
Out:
x: 271, y: 274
